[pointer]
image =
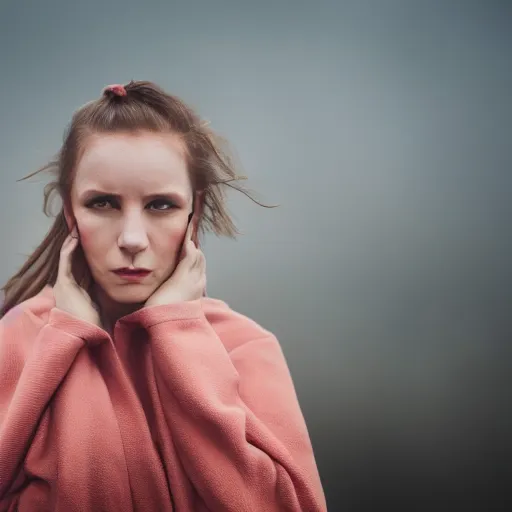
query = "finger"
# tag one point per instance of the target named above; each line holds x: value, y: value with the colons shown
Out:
x: 190, y: 229
x: 187, y: 237
x: 65, y: 257
x: 200, y: 260
x: 64, y: 272
x: 70, y: 237
x: 203, y: 282
x: 192, y: 226
x: 196, y: 217
x: 186, y: 240
x: 190, y: 253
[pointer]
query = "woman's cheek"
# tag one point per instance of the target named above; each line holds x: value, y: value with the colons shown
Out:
x: 170, y: 252
x: 84, y: 235
x: 176, y: 231
x: 174, y: 244
x: 89, y: 236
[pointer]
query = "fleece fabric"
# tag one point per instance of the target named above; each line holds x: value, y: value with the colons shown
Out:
x: 186, y: 407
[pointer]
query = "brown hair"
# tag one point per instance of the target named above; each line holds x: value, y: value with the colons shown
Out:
x: 137, y: 106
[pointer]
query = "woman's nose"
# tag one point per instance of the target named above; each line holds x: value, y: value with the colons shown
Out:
x: 133, y: 236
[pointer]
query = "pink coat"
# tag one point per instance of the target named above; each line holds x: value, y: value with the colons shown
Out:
x: 187, y: 407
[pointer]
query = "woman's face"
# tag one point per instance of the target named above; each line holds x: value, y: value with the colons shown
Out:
x: 131, y: 199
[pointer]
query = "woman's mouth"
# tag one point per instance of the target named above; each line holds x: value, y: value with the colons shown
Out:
x: 132, y: 274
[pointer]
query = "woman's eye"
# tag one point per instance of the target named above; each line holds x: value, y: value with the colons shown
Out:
x: 100, y: 204
x: 161, y: 205
x: 106, y: 203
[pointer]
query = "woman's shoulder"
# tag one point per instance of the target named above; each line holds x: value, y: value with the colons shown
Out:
x: 36, y: 308
x: 232, y: 327
x: 21, y: 324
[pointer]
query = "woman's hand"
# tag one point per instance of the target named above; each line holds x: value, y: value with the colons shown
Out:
x: 69, y: 296
x: 188, y: 281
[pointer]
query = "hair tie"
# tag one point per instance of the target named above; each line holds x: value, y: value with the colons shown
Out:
x: 116, y: 89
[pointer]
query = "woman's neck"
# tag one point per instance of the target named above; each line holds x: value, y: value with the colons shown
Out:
x: 111, y: 311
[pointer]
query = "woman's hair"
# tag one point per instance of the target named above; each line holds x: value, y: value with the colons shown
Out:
x: 135, y: 107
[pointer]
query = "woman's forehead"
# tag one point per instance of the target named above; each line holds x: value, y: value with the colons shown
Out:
x: 144, y: 162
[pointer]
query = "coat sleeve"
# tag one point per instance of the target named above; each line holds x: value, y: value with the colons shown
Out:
x: 33, y: 363
x: 234, y: 415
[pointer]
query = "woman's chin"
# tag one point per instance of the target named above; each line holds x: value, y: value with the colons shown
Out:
x: 129, y: 293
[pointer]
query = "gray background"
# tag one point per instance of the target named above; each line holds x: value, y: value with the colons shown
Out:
x: 383, y: 129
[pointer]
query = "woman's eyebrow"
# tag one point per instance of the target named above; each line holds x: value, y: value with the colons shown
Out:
x: 171, y: 194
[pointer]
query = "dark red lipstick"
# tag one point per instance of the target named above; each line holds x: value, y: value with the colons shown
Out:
x: 132, y: 274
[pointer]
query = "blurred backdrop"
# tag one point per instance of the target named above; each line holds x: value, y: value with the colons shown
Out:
x: 383, y: 129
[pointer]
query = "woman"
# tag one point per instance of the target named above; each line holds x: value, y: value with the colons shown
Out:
x: 122, y: 386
